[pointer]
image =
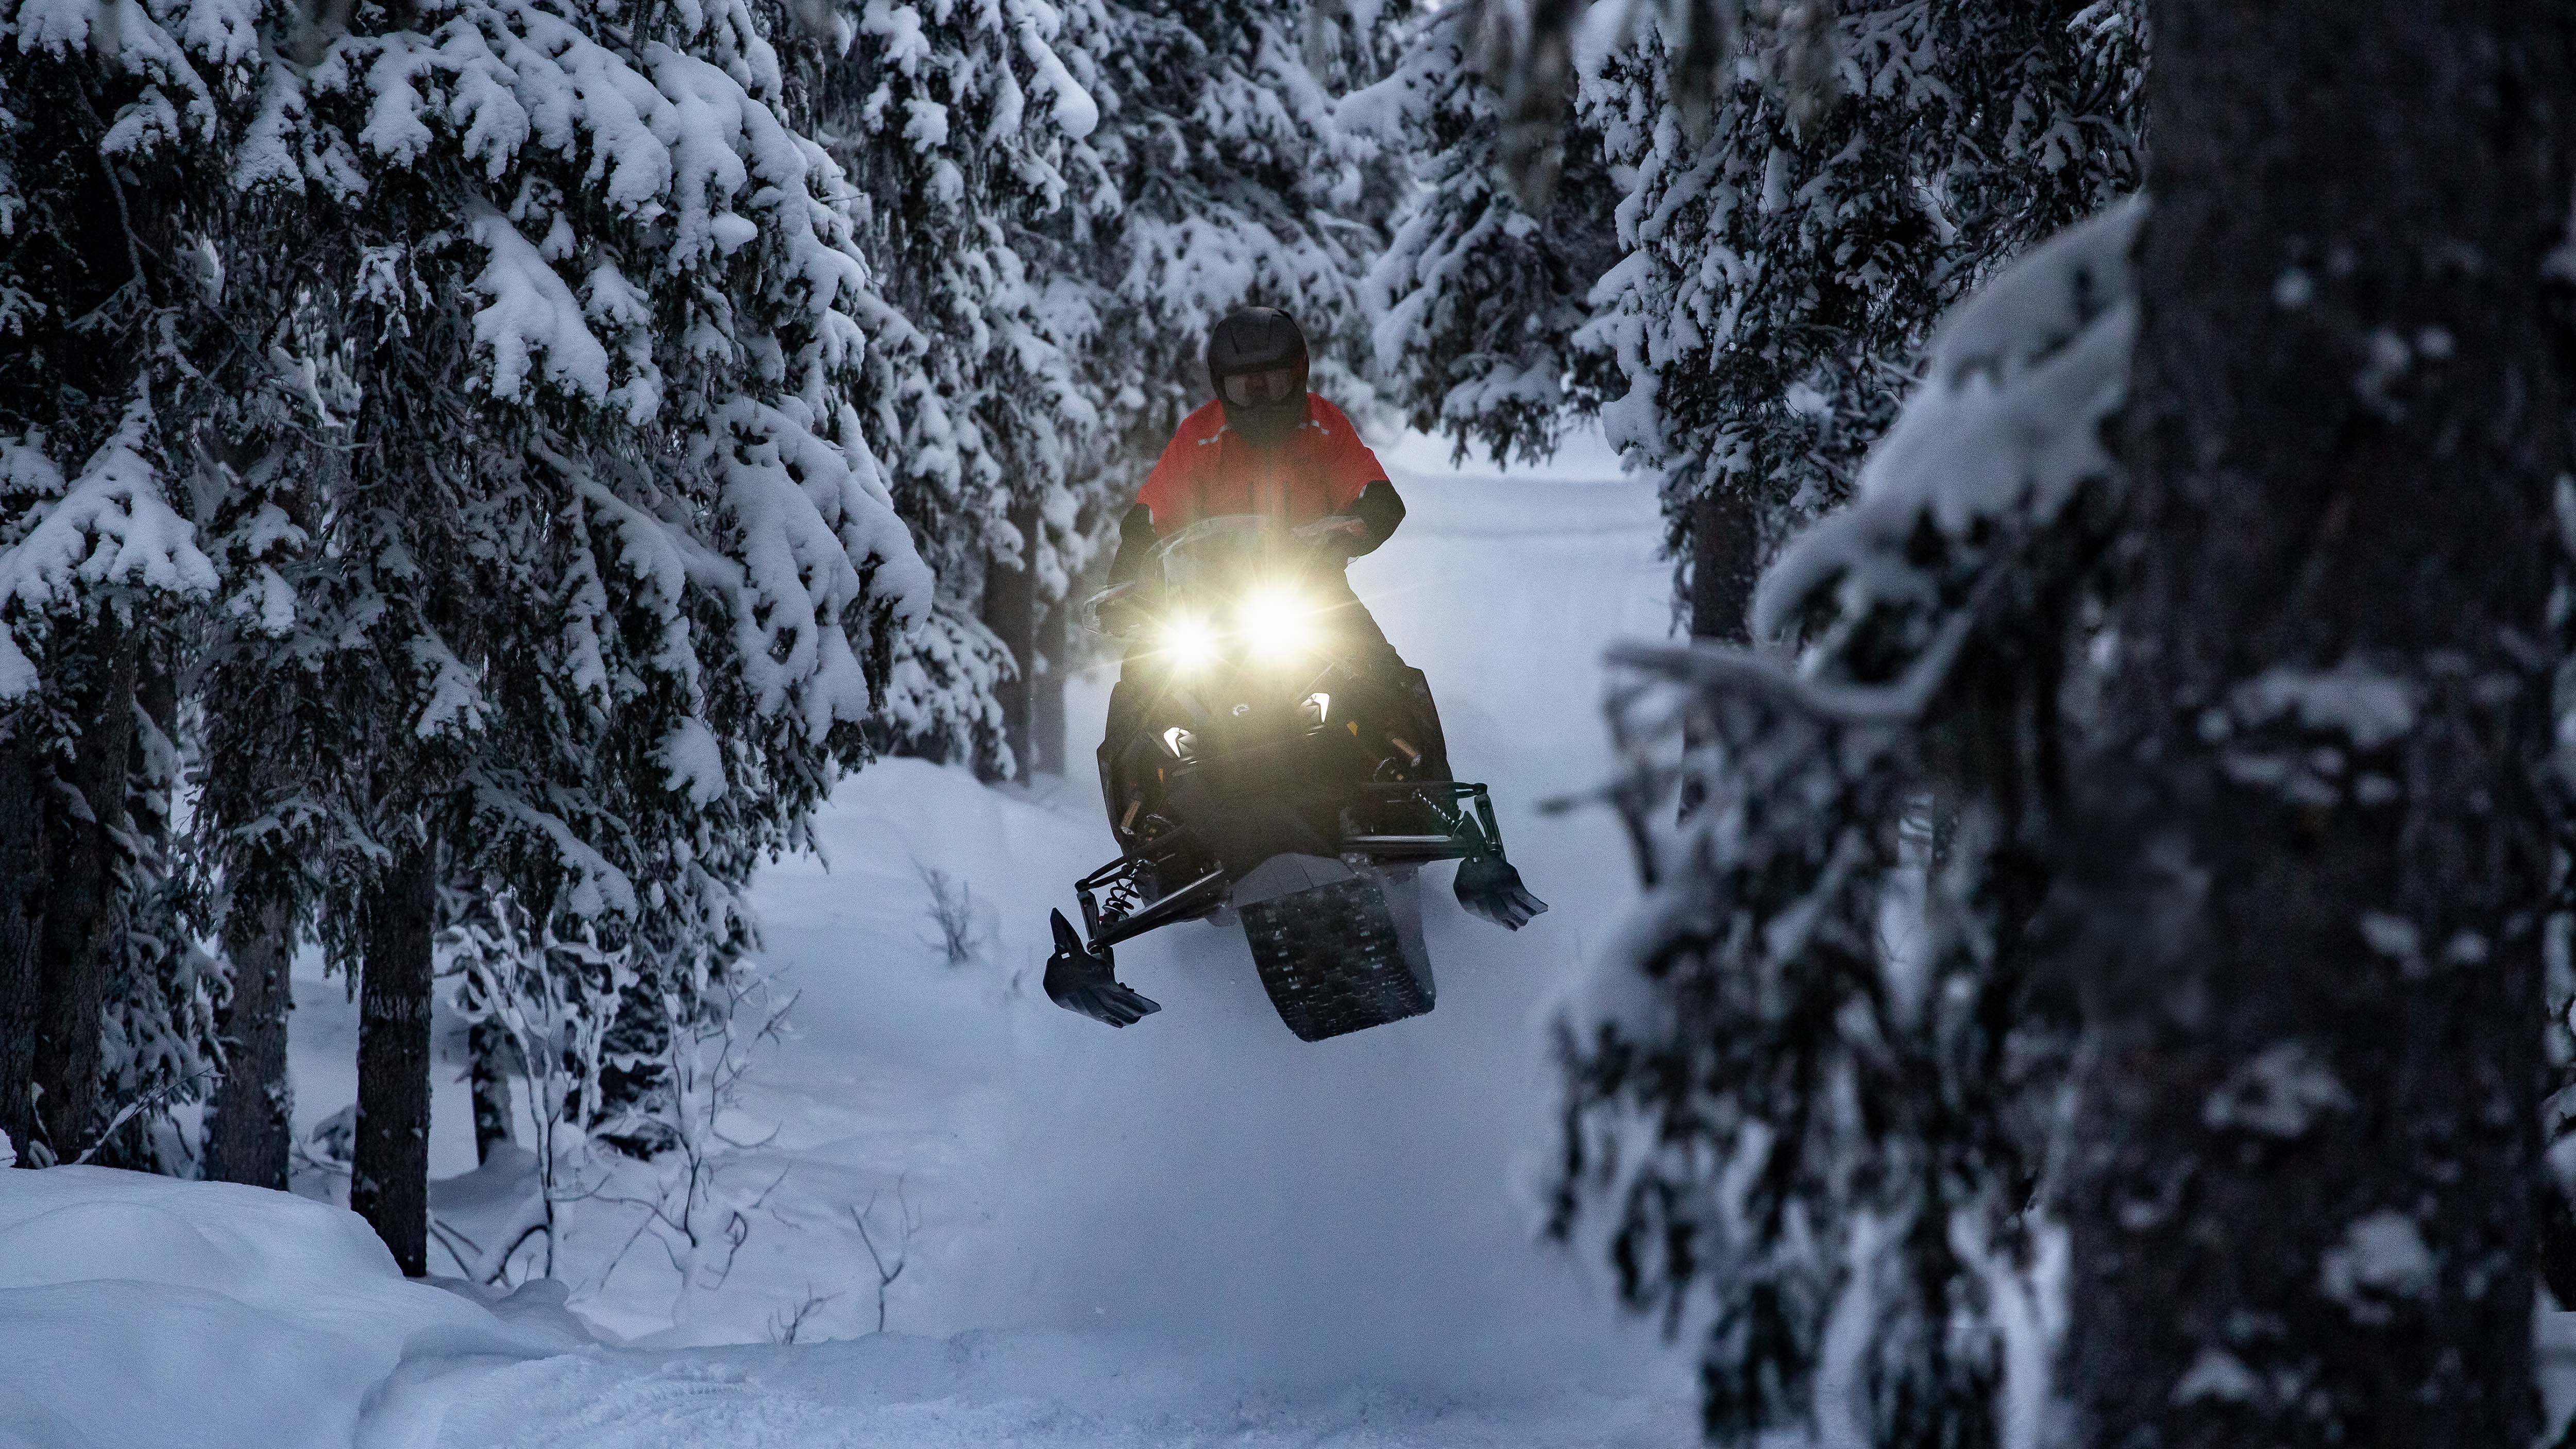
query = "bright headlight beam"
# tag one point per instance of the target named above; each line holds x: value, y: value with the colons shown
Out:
x: 1188, y: 642
x: 1274, y: 622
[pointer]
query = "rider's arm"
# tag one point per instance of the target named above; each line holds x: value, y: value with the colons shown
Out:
x: 1136, y: 542
x: 1356, y: 484
x: 1379, y: 511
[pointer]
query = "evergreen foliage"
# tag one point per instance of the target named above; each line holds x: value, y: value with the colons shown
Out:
x: 963, y: 130
x: 1779, y: 246
x: 118, y: 127
x: 603, y: 620
x: 1811, y: 1089
x: 1061, y: 200
x: 1478, y: 303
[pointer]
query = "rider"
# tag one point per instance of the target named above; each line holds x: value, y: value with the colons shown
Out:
x: 1266, y: 445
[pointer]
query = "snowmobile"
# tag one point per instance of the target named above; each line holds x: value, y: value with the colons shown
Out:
x: 1277, y: 767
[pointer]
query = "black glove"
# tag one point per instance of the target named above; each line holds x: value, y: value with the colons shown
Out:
x: 1119, y: 610
x: 1336, y: 535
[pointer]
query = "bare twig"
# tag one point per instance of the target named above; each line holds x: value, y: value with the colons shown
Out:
x: 952, y: 915
x: 447, y: 1236
x: 907, y: 1221
x: 787, y: 1326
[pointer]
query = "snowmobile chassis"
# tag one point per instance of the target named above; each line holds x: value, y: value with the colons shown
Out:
x: 1136, y: 905
x: 1337, y: 939
x: 1276, y: 765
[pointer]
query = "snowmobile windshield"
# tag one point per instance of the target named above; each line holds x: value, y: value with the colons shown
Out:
x: 1231, y: 561
x: 1217, y: 556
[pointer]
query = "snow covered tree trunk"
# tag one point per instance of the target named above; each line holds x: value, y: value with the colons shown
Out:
x: 22, y: 916
x: 486, y: 1042
x: 2305, y: 900
x: 252, y: 1125
x: 81, y: 909
x: 389, y: 1174
x: 1011, y: 612
x: 1046, y: 691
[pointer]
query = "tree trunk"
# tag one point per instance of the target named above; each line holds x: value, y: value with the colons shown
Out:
x: 22, y: 925
x: 389, y: 1176
x: 1046, y: 690
x: 489, y: 1046
x: 82, y: 911
x: 1726, y: 558
x: 252, y: 1125
x: 1010, y: 611
x: 2304, y: 914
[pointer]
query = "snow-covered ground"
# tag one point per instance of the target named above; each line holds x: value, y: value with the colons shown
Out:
x: 1199, y: 1230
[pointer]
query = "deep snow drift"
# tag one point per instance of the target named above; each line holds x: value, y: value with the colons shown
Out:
x: 143, y: 1310
x: 1198, y: 1229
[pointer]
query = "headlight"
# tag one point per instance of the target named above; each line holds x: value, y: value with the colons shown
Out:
x: 1276, y: 623
x: 1188, y: 642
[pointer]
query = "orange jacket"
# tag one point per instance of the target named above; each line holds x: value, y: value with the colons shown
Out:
x: 1208, y: 469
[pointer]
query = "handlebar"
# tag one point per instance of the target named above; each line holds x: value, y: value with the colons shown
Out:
x: 1227, y: 543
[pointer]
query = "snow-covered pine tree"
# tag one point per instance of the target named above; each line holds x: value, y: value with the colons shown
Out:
x: 962, y: 129
x: 164, y: 1039
x: 582, y: 575
x: 1239, y: 185
x: 1784, y: 241
x: 1813, y: 1133
x: 1782, y: 274
x: 1477, y: 303
x: 118, y: 125
x: 2269, y: 779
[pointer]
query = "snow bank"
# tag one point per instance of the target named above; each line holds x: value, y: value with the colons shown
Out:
x: 145, y: 1310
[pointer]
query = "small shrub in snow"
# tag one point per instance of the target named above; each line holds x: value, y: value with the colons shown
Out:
x: 787, y: 1326
x: 956, y: 921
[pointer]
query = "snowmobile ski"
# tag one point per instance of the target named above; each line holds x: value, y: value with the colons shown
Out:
x: 1083, y: 981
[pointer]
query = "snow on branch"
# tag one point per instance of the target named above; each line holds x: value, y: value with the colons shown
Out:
x: 789, y: 498
x: 663, y: 251
x: 532, y: 312
x: 111, y: 528
x: 1801, y: 1084
x: 164, y: 44
x: 2003, y: 436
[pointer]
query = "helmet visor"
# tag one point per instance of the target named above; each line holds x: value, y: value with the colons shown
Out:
x: 1253, y: 389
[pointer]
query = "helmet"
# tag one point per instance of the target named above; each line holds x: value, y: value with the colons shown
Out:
x: 1256, y: 360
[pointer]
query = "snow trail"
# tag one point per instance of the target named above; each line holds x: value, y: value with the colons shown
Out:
x: 1348, y: 1207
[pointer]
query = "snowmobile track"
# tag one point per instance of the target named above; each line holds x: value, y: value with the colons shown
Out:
x: 1335, y: 959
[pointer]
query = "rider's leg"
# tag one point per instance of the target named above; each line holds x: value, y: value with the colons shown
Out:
x: 1486, y: 883
x: 1126, y: 711
x: 1362, y: 640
